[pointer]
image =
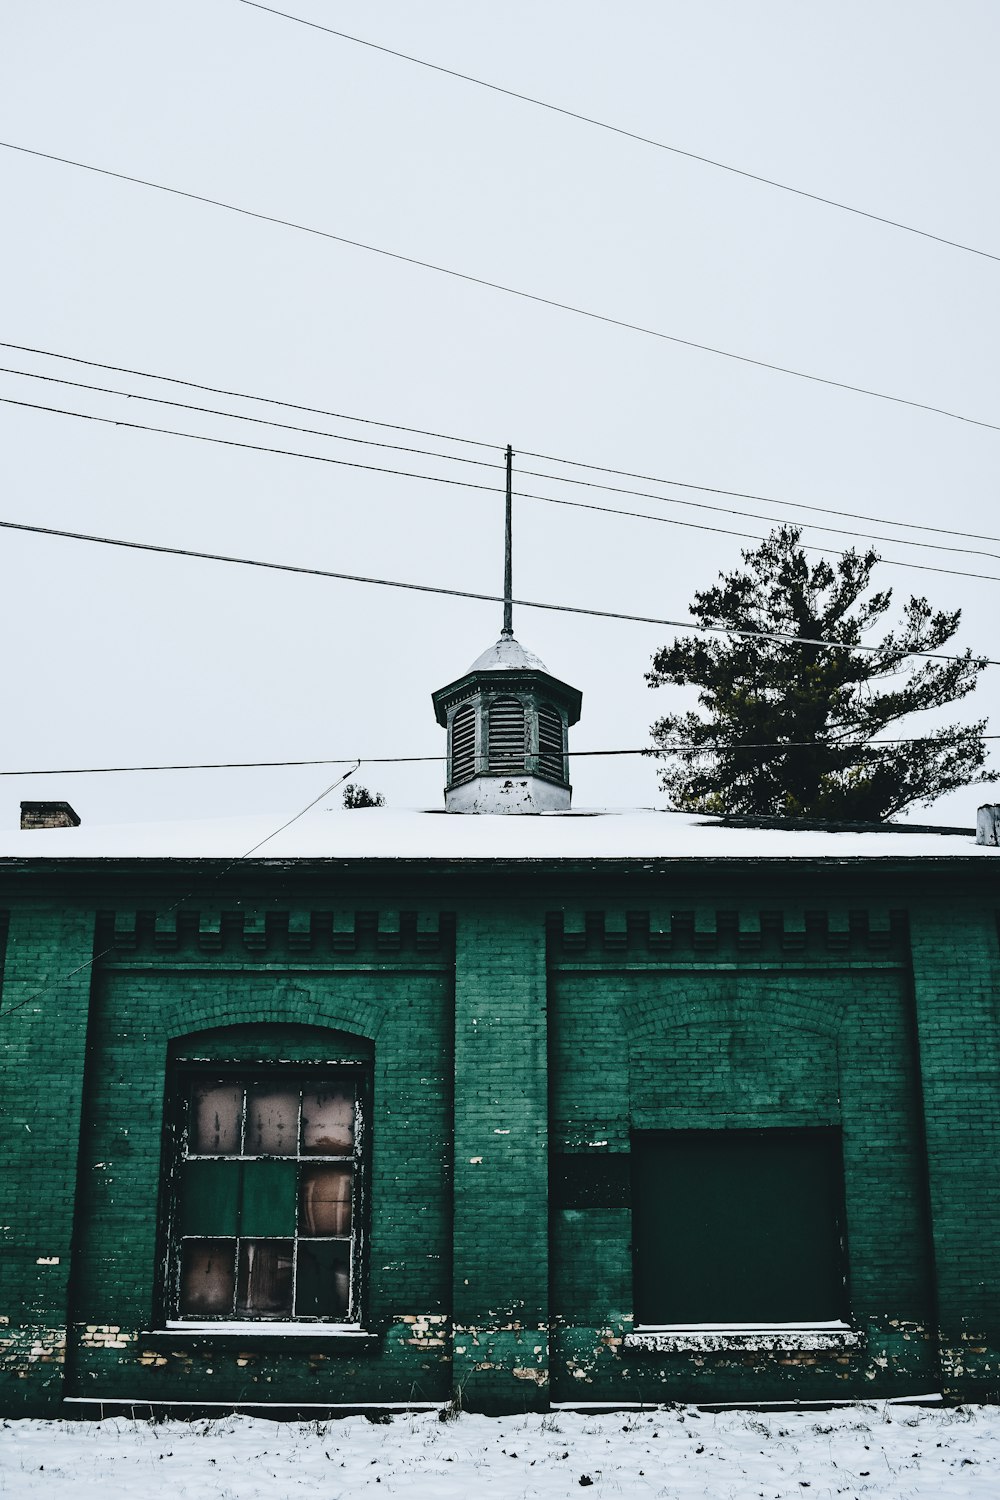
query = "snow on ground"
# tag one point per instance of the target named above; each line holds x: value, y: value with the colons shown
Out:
x: 878, y: 1452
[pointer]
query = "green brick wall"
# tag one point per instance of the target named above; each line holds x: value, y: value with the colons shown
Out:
x: 957, y: 993
x: 381, y: 976
x: 685, y: 1026
x: 501, y: 1267
x: 523, y: 1026
x: 46, y: 988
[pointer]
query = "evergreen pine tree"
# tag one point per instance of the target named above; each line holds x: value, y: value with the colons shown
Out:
x: 824, y: 703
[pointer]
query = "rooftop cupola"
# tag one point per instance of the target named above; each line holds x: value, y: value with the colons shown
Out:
x: 507, y: 719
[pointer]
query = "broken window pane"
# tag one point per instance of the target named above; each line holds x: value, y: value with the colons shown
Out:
x: 272, y: 1120
x: 322, y: 1279
x: 207, y: 1277
x: 214, y: 1127
x: 325, y: 1200
x: 328, y: 1122
x: 265, y: 1278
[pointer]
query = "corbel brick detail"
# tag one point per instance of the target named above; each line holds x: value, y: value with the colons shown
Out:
x: 765, y: 933
x: 261, y: 931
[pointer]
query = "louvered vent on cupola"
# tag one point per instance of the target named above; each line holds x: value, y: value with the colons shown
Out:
x: 463, y: 744
x: 551, y: 756
x: 507, y: 738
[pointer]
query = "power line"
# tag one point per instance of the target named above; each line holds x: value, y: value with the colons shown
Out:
x: 468, y: 484
x: 770, y: 748
x: 202, y: 437
x: 483, y: 463
x: 218, y: 390
x: 427, y: 588
x: 575, y: 463
x: 631, y: 135
x: 239, y: 416
x: 498, y: 286
x: 901, y: 541
x: 712, y: 489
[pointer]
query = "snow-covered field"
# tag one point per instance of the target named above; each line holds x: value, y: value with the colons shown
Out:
x: 879, y: 1452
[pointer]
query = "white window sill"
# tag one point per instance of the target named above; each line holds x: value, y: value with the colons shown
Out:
x: 268, y: 1330
x: 832, y: 1338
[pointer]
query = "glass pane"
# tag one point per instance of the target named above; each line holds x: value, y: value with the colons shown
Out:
x: 328, y: 1121
x: 325, y: 1200
x: 265, y: 1279
x: 268, y: 1204
x: 214, y: 1128
x: 207, y: 1277
x: 209, y: 1197
x: 322, y: 1279
x: 272, y: 1120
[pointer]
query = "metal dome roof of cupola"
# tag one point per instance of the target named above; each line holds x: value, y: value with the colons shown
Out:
x: 507, y: 719
x: 507, y: 655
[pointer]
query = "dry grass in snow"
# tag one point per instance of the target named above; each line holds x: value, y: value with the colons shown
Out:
x: 875, y: 1452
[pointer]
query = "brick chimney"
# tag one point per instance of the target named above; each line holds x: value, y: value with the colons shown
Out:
x: 988, y: 824
x: 48, y: 815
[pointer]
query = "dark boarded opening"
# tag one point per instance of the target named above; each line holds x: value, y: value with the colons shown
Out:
x: 738, y: 1226
x: 586, y: 1181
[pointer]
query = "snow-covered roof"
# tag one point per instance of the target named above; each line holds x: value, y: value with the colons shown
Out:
x: 508, y: 655
x: 391, y: 833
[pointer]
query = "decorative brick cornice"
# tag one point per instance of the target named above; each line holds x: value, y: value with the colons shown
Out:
x: 639, y: 935
x: 263, y: 933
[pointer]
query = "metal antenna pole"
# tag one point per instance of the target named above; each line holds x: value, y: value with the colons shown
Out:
x: 508, y: 601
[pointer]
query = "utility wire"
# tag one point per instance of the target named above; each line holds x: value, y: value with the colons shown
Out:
x: 469, y: 484
x: 631, y: 135
x: 498, y: 286
x: 202, y: 437
x: 220, y: 875
x: 427, y: 588
x: 640, y: 515
x: 575, y: 463
x: 613, y: 489
x: 771, y: 748
x: 219, y: 390
x: 239, y: 416
x: 712, y: 489
x: 730, y: 510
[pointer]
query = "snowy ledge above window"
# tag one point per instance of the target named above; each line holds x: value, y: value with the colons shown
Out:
x: 829, y: 1338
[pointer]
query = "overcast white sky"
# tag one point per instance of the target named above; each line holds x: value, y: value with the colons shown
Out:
x: 120, y: 658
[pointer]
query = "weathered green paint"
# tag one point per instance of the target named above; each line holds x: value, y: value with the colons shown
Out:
x: 522, y: 1025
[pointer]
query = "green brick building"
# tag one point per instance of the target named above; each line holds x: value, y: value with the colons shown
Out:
x: 414, y: 1107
